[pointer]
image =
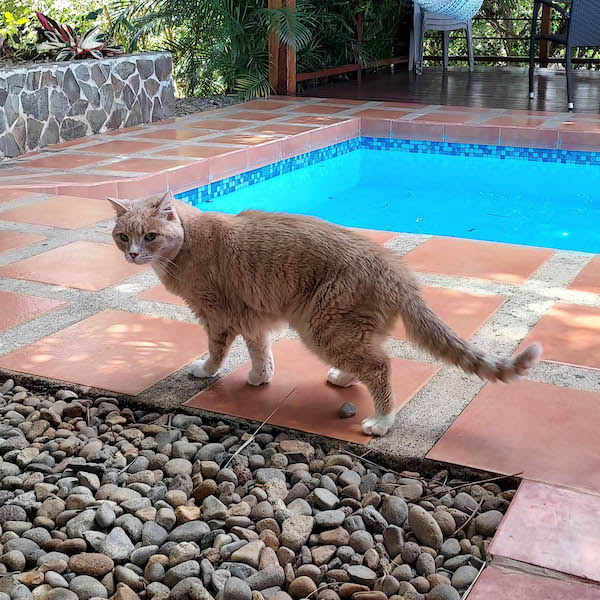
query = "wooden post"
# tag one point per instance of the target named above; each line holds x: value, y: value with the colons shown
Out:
x: 545, y: 44
x: 282, y: 59
x: 359, y: 37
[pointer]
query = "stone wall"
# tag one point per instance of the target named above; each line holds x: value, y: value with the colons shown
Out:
x: 47, y: 103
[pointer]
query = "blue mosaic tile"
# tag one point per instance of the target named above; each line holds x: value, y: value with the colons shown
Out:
x: 219, y: 188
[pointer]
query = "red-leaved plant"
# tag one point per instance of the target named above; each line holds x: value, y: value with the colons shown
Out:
x: 68, y: 45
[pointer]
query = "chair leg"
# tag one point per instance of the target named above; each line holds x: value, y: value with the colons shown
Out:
x: 411, y: 51
x: 421, y: 47
x: 470, y: 46
x: 418, y: 38
x: 569, y: 79
x: 536, y: 11
x: 446, y: 48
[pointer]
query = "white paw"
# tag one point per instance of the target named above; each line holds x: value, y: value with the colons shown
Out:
x: 339, y: 378
x: 262, y: 373
x: 378, y: 424
x: 204, y: 367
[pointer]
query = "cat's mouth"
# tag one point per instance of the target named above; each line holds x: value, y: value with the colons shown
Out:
x: 138, y: 260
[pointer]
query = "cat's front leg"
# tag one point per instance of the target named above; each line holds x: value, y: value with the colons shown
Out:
x: 263, y: 367
x: 219, y: 341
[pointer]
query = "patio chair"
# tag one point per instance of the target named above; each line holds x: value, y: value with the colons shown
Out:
x: 424, y: 20
x: 583, y: 30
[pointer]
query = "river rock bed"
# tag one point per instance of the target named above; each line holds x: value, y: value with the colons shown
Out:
x: 103, y: 501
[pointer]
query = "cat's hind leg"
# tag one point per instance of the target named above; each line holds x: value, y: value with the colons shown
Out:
x: 219, y: 342
x: 263, y: 367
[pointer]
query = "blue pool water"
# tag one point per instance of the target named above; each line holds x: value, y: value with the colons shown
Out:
x: 515, y: 201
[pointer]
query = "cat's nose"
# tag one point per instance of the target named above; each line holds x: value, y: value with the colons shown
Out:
x: 134, y: 255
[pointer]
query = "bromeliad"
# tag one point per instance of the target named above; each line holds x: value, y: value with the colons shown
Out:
x: 68, y: 45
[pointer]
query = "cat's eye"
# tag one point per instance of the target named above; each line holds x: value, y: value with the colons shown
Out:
x: 124, y: 238
x: 149, y: 237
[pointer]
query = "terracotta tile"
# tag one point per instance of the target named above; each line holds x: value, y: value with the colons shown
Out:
x: 506, y: 263
x: 113, y: 350
x: 313, y: 403
x: 99, y: 190
x: 142, y: 185
x: 82, y: 265
x: 515, y: 121
x: 62, y: 161
x: 295, y: 145
x: 589, y: 126
x: 579, y: 140
x: 465, y: 312
x: 9, y: 240
x: 265, y: 104
x: 570, y: 334
x: 376, y: 127
x: 379, y: 237
x: 344, y: 101
x: 79, y: 178
x: 469, y: 109
x: 70, y: 144
x: 533, y: 113
x: 174, y: 134
x: 323, y: 137
x: 313, y: 120
x: 195, y: 151
x: 319, y: 109
x: 144, y: 165
x: 243, y: 139
x: 130, y: 130
x: 227, y: 165
x: 280, y: 129
x: 472, y: 134
x: 409, y: 130
x: 264, y: 154
x: 254, y: 115
x: 410, y: 105
x: 442, y: 117
x: 553, y: 528
x: 7, y: 196
x: 549, y: 433
x: 193, y: 174
x: 348, y: 130
x: 528, y: 138
x: 122, y: 147
x: 588, y: 279
x: 20, y: 308
x: 499, y: 584
x: 216, y: 124
x: 377, y: 113
x: 65, y: 212
x: 159, y: 293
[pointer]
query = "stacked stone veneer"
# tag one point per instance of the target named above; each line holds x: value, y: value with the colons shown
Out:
x: 47, y: 103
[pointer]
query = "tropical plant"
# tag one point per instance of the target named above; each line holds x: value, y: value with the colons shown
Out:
x: 17, y: 36
x: 66, y: 44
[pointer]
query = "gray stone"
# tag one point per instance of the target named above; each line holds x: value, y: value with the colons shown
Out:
x: 81, y: 523
x: 129, y: 96
x: 347, y: 410
x: 235, y: 588
x: 325, y: 499
x: 163, y: 67
x: 210, y: 452
x: 158, y: 114
x: 362, y: 575
x: 465, y: 503
x: 82, y: 73
x: 271, y: 576
x: 487, y: 523
x: 393, y: 540
x: 151, y: 86
x: 450, y: 548
x: 71, y: 129
x: 98, y: 76
x: 193, y: 531
x: 71, y: 87
x: 443, y: 592
x: 125, y: 68
x: 35, y: 104
x: 463, y: 577
x: 78, y: 108
x: 117, y: 545
x: 92, y: 94
x: 184, y: 570
x: 86, y: 588
x: 328, y: 518
x: 296, y: 531
x: 425, y: 527
x: 361, y: 541
x: 153, y: 534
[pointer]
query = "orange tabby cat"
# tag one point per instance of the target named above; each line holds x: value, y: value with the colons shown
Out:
x: 247, y: 274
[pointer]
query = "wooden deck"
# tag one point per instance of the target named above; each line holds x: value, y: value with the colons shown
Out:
x: 486, y: 87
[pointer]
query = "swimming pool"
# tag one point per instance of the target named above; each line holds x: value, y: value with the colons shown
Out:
x: 520, y: 201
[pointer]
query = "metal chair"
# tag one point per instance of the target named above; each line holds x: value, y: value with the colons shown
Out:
x: 583, y: 31
x: 423, y: 21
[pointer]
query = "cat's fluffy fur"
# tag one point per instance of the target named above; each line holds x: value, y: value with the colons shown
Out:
x: 247, y: 274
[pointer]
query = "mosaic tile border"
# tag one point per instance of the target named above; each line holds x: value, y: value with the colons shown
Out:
x: 225, y: 186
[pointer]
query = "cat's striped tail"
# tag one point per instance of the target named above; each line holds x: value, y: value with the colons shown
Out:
x: 427, y: 330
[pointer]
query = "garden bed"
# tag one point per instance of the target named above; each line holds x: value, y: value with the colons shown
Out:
x: 47, y: 103
x: 100, y: 499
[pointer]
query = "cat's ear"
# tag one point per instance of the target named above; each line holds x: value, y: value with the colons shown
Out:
x: 121, y: 206
x: 163, y: 206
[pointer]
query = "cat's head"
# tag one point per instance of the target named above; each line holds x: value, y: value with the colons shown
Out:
x: 149, y: 229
